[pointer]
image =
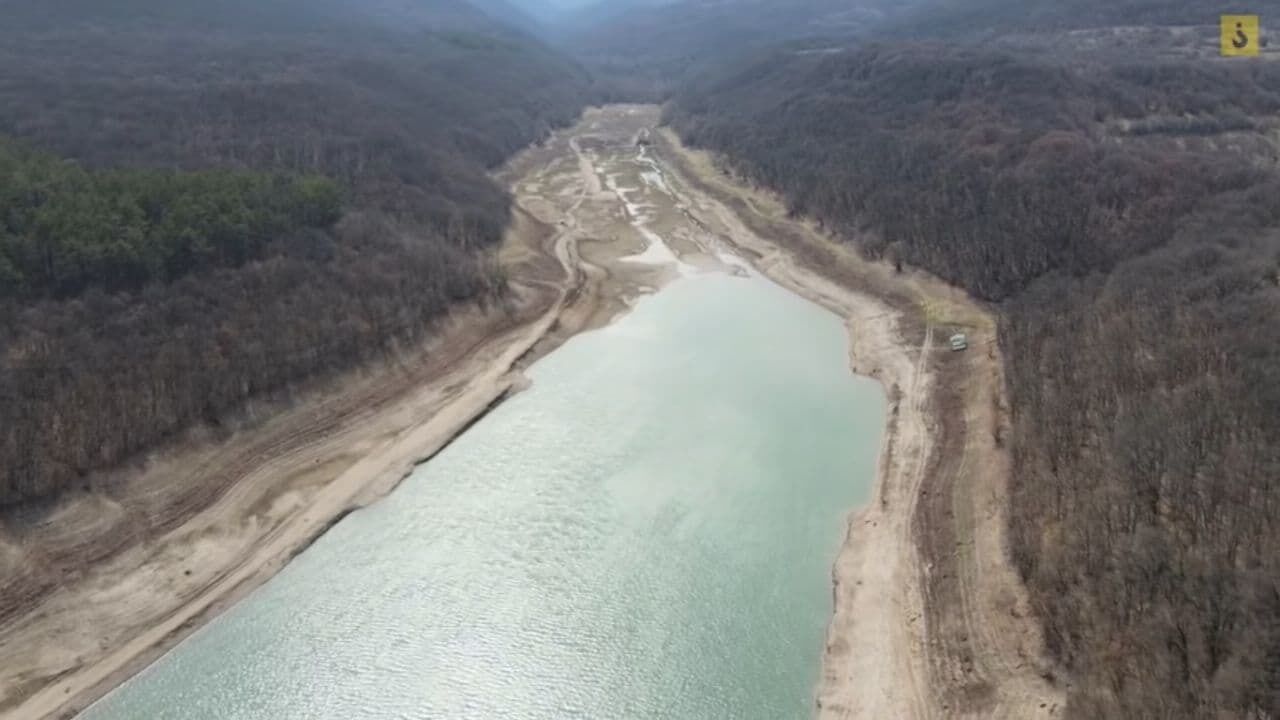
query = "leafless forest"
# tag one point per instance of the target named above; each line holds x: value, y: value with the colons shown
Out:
x: 206, y: 203
x: 1124, y: 218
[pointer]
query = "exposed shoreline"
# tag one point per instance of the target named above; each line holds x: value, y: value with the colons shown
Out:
x: 475, y: 386
x: 904, y: 639
x: 889, y: 651
x: 556, y: 294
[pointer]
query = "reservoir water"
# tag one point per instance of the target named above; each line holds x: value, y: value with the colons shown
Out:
x: 647, y: 532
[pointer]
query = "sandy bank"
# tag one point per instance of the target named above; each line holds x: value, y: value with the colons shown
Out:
x: 930, y: 619
x: 287, y: 477
x: 288, y: 481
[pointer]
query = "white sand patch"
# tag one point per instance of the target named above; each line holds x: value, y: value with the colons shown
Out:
x: 611, y: 182
x: 656, y: 181
x: 657, y: 252
x: 636, y: 212
x: 732, y: 260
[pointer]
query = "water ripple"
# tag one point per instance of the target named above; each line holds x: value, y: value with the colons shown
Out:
x: 647, y: 533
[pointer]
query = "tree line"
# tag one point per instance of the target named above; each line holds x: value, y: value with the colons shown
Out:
x: 1136, y: 276
x: 65, y: 229
x: 961, y: 19
x: 203, y: 206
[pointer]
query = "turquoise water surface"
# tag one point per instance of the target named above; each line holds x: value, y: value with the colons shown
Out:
x: 646, y: 533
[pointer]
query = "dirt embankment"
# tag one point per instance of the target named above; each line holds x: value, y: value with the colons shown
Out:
x: 200, y: 526
x: 99, y: 585
x: 931, y: 619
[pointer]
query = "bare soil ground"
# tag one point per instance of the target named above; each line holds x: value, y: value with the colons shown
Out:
x: 95, y: 587
x: 930, y: 619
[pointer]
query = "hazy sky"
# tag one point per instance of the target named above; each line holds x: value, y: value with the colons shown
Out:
x: 547, y: 8
x: 541, y: 7
x: 562, y: 4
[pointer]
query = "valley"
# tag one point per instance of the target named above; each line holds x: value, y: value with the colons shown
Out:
x: 659, y: 358
x: 610, y: 210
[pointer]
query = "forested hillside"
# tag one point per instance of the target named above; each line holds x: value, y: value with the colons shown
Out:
x: 207, y: 202
x: 647, y: 48
x: 957, y: 18
x: 1126, y: 219
x: 66, y: 229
